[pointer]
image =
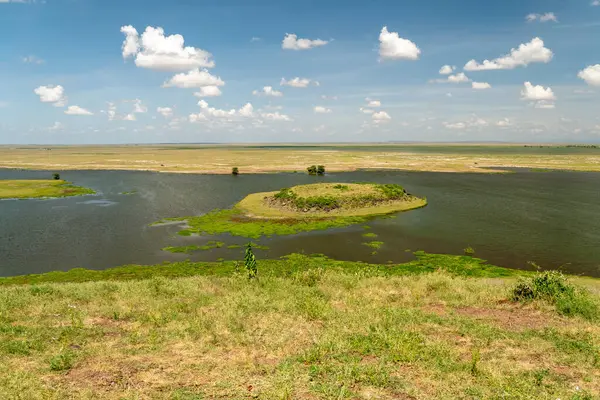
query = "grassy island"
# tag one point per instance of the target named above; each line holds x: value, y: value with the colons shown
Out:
x: 303, y: 208
x: 39, y: 188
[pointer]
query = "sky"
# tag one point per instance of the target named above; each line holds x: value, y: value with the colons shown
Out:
x: 186, y: 71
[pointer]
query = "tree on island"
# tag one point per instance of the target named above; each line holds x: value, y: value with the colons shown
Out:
x: 320, y: 170
x: 235, y: 171
x: 56, y: 176
x: 312, y: 170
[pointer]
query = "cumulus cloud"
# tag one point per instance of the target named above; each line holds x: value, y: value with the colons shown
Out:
x: 276, y: 116
x: 591, y: 74
x: 596, y: 3
x: 112, y: 111
x: 525, y: 54
x: 291, y: 42
x: 52, y: 94
x: 298, y: 82
x: 458, y: 78
x: 480, y: 85
x: 197, y: 117
x: 139, y: 107
x: 373, y: 103
x: 154, y: 50
x: 76, y: 110
x: 381, y: 116
x: 447, y: 69
x: 393, y: 47
x: 545, y: 104
x: 247, y: 110
x: 208, y: 91
x: 206, y: 111
x: 195, y: 78
x: 503, y: 123
x: 56, y: 126
x: 456, y: 125
x: 537, y: 93
x: 31, y: 59
x: 129, y: 117
x: 322, y: 110
x: 541, y: 17
x: 166, y: 112
x: 267, y: 91
x: 472, y: 122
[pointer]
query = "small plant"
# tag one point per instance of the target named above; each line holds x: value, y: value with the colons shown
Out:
x: 235, y: 171
x: 469, y: 251
x: 56, y: 176
x: 320, y: 170
x: 63, y: 361
x: 341, y: 187
x: 250, y: 262
x: 312, y: 170
x: 475, y: 357
x: 553, y: 287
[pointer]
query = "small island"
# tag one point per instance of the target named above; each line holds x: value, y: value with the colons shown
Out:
x: 40, y: 188
x: 303, y: 208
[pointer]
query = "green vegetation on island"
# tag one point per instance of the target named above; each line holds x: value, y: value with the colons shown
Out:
x: 38, y: 188
x: 301, y: 209
x: 310, y: 327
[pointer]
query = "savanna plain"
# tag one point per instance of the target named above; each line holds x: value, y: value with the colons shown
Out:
x: 307, y: 326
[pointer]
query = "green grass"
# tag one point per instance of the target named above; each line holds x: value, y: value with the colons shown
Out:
x: 374, y: 244
x: 29, y: 189
x: 440, y: 327
x: 190, y: 249
x: 369, y: 235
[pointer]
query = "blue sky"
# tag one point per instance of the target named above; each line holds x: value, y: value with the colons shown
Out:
x: 64, y: 77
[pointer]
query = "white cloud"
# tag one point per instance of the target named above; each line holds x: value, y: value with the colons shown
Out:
x: 112, y: 111
x: 154, y: 50
x: 447, y: 70
x: 208, y: 91
x: 76, y: 110
x: 129, y: 117
x: 255, y: 39
x: 596, y: 3
x: 166, y: 112
x: 322, y: 110
x: 367, y: 110
x: 481, y: 85
x: 545, y: 104
x: 31, y: 59
x: 267, y: 91
x: 541, y: 17
x: 591, y: 74
x: 276, y: 116
x: 247, y: 110
x: 195, y: 78
x: 298, y: 82
x: 197, y: 117
x: 503, y: 123
x: 291, y: 42
x: 537, y: 93
x: 473, y: 122
x: 56, y: 127
x: 393, y: 47
x: 139, y: 107
x: 381, y: 116
x: 324, y: 97
x: 525, y: 54
x: 458, y: 78
x: 52, y: 94
x: 373, y: 103
x: 457, y: 125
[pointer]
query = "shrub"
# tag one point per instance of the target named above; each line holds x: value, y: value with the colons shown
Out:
x: 320, y: 170
x: 312, y: 170
x: 469, y: 251
x: 553, y: 287
x: 235, y: 171
x: 250, y: 262
x: 341, y: 187
x: 392, y: 191
x: 56, y: 176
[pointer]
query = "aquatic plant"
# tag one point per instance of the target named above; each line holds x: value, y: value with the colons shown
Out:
x: 469, y: 251
x: 56, y: 176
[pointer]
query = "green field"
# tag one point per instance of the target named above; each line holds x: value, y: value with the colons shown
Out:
x: 27, y: 189
x: 309, y: 328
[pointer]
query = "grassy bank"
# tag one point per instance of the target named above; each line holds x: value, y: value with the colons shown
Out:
x: 440, y: 327
x: 28, y: 189
x: 249, y: 159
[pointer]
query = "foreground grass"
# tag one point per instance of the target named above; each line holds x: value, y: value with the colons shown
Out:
x: 440, y: 327
x: 26, y: 189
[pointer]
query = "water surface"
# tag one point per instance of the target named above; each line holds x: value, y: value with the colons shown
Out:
x: 551, y: 218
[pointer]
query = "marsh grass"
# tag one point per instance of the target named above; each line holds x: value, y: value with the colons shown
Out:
x: 28, y: 189
x: 319, y: 329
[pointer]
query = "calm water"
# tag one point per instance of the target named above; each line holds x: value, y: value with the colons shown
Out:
x: 551, y: 218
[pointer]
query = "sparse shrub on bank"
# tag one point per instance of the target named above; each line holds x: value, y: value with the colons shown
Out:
x: 235, y: 171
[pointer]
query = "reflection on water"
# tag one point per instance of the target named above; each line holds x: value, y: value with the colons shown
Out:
x: 552, y: 218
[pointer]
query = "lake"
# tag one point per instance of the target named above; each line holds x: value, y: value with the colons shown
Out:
x: 550, y: 218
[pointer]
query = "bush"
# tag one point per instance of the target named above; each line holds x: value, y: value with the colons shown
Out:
x: 392, y: 191
x: 250, y: 262
x: 235, y: 171
x: 320, y: 170
x: 343, y: 188
x: 553, y: 287
x: 469, y: 251
x: 56, y: 176
x: 312, y: 170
